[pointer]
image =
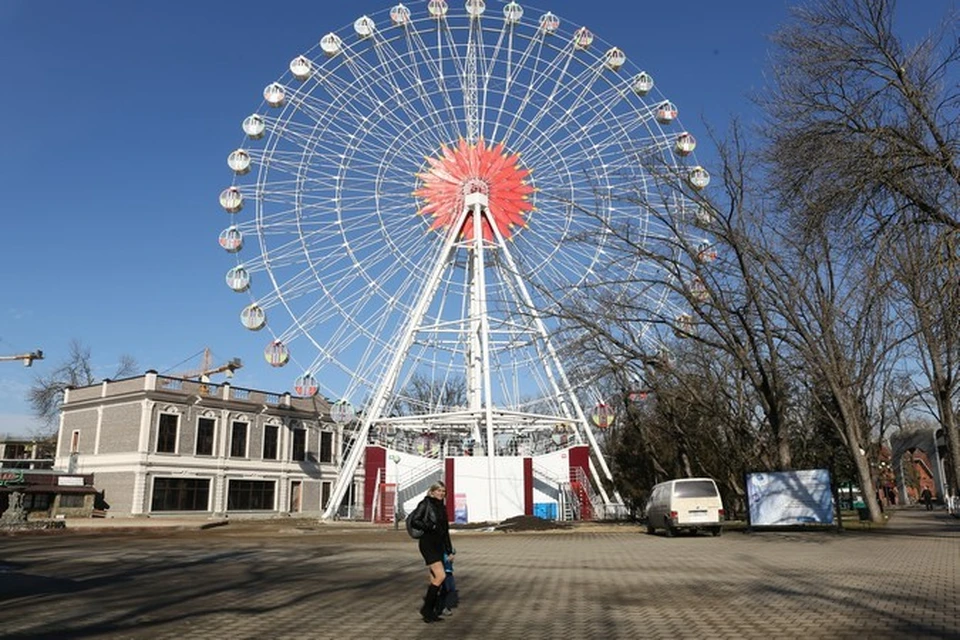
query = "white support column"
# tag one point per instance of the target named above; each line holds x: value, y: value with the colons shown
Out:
x: 480, y: 335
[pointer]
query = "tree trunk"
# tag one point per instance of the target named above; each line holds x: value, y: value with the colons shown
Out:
x: 852, y: 428
x: 948, y: 421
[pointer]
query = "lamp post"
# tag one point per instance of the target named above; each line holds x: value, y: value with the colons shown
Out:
x: 395, y: 459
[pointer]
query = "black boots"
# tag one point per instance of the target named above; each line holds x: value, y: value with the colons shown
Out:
x: 429, y: 609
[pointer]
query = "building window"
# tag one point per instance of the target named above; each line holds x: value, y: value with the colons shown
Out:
x: 15, y: 452
x: 238, y: 440
x: 180, y: 494
x: 167, y: 433
x: 250, y: 495
x: 71, y: 501
x: 325, y: 490
x: 299, y: 449
x: 37, y: 501
x: 271, y: 435
x: 326, y: 446
x: 205, y: 435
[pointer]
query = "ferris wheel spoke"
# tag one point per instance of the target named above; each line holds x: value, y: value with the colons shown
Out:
x: 527, y: 61
x: 446, y: 128
x: 618, y: 130
x: 552, y: 81
x: 574, y: 103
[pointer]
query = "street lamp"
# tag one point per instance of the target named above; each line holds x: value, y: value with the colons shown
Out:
x: 395, y: 459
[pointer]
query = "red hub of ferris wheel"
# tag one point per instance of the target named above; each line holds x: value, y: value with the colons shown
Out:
x: 476, y: 168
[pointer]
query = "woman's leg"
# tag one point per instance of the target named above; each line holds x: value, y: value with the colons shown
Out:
x: 437, y: 573
x: 428, y: 611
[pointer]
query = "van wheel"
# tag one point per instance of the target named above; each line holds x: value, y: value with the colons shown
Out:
x: 717, y: 531
x: 670, y: 532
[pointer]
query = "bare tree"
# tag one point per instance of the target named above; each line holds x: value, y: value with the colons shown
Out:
x: 46, y: 393
x: 862, y: 124
x: 924, y: 260
x: 423, y: 395
x: 863, y: 134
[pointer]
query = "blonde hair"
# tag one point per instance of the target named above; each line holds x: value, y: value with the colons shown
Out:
x: 436, y: 485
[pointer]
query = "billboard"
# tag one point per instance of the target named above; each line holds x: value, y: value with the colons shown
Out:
x: 778, y: 498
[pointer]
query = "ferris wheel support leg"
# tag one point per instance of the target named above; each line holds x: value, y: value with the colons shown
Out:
x: 372, y: 414
x: 477, y: 203
x: 561, y: 372
x: 596, y: 481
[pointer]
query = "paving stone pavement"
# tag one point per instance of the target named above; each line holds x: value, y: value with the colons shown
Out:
x: 899, y: 581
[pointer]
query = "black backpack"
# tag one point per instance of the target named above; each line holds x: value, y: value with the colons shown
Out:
x: 411, y: 530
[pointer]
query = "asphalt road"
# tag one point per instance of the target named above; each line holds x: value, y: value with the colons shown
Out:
x: 340, y: 581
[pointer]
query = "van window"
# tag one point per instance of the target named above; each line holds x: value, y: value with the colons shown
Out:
x: 695, y: 489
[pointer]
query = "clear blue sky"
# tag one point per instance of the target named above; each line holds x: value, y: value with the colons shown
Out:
x: 117, y: 120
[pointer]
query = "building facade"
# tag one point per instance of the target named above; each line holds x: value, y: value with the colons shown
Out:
x: 160, y: 445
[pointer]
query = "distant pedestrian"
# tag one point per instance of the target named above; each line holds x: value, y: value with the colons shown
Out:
x: 430, y: 517
x: 926, y: 497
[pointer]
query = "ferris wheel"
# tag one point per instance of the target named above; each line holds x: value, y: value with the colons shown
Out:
x: 419, y: 194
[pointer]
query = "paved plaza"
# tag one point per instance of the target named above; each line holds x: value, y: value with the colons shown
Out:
x: 595, y: 581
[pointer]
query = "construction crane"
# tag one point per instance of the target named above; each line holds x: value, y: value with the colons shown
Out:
x: 207, y: 368
x: 27, y: 358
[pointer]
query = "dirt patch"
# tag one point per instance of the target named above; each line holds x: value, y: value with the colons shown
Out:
x: 530, y: 523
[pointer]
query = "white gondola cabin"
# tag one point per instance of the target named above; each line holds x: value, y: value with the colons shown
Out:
x: 364, y: 26
x: 703, y: 217
x: 667, y: 112
x: 698, y: 290
x: 549, y: 23
x: 698, y: 178
x: 231, y: 199
x: 582, y: 39
x: 306, y: 386
x: 301, y: 68
x: 642, y: 83
x: 683, y: 326
x: 254, y: 126
x: 706, y: 252
x: 603, y: 415
x: 238, y: 279
x: 331, y: 44
x: 231, y: 239
x: 239, y: 162
x: 512, y: 13
x: 437, y: 8
x: 476, y: 8
x: 614, y: 59
x: 276, y: 354
x: 686, y: 143
x: 275, y: 95
x: 400, y: 15
x: 253, y: 317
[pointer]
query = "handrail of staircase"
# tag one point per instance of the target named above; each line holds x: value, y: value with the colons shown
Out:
x: 375, y: 507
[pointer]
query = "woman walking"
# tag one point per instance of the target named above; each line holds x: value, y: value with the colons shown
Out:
x: 430, y: 517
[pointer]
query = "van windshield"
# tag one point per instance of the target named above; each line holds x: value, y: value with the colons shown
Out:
x: 695, y: 489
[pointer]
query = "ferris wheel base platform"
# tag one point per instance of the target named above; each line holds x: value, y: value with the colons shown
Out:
x: 480, y: 488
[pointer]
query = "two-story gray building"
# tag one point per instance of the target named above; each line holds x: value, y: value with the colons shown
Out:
x: 161, y: 445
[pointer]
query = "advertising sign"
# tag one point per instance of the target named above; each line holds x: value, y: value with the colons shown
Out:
x: 790, y: 497
x: 460, y: 508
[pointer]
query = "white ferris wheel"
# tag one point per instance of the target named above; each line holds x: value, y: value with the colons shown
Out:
x: 417, y: 194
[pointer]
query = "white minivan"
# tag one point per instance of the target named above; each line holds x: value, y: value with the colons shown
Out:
x: 687, y: 503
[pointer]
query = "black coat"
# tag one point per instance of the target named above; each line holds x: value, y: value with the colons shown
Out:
x: 430, y: 516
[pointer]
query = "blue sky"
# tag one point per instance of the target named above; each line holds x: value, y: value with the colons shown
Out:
x: 118, y: 117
